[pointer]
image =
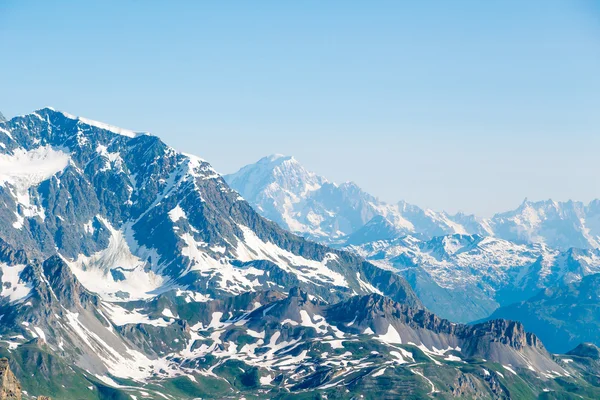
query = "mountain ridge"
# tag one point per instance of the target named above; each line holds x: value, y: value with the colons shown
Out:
x: 130, y: 270
x: 530, y: 222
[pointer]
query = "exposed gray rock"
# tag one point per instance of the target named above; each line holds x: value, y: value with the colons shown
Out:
x: 10, y: 388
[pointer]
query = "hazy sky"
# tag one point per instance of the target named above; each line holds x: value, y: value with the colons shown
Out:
x: 455, y: 105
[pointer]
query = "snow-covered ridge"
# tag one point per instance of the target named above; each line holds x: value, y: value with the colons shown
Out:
x: 281, y: 189
x: 101, y: 125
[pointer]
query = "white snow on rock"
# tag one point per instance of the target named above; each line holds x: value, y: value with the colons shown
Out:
x: 391, y: 336
x: 94, y: 272
x: 177, y: 213
x: 25, y: 169
x: 120, y: 316
x: 12, y: 286
x: 506, y: 367
x: 168, y: 313
x: 253, y: 248
x: 102, y: 125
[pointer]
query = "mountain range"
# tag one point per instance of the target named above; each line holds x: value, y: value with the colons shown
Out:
x: 130, y: 270
x: 462, y: 267
x: 282, y: 190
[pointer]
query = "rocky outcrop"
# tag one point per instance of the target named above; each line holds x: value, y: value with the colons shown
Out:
x: 588, y: 350
x: 10, y: 388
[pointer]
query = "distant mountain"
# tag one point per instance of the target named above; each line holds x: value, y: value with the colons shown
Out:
x: 462, y: 267
x: 281, y: 189
x: 562, y: 316
x: 466, y: 277
x: 557, y: 224
x: 2, y: 118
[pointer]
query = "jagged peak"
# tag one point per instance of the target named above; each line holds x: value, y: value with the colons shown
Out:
x: 2, y: 118
x: 297, y: 292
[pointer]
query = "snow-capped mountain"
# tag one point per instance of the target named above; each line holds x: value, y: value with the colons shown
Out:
x: 132, y: 218
x: 282, y: 190
x: 461, y: 266
x: 122, y: 205
x: 466, y: 277
x: 130, y: 270
x: 557, y: 224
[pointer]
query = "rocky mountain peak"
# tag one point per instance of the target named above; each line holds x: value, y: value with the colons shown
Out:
x: 509, y: 332
x: 11, y: 256
x: 2, y: 118
x: 378, y: 228
x: 296, y: 292
x: 10, y: 388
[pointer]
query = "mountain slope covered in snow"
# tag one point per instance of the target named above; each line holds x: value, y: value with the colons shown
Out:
x: 461, y: 266
x: 466, y: 277
x: 281, y: 189
x: 130, y: 270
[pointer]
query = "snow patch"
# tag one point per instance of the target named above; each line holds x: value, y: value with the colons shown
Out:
x: 12, y: 286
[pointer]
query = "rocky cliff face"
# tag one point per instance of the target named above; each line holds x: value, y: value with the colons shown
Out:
x: 132, y: 217
x: 10, y: 388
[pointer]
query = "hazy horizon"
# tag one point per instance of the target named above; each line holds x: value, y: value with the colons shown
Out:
x: 468, y: 106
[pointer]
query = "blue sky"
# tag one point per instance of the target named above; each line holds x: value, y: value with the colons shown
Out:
x: 462, y: 105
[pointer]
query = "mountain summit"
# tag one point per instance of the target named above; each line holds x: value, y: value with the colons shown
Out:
x: 282, y: 190
x: 310, y: 205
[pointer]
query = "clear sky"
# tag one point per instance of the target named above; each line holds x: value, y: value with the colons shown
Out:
x: 455, y: 105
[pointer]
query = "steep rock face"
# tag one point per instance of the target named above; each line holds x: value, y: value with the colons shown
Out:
x: 10, y: 388
x: 111, y: 222
x: 169, y: 220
